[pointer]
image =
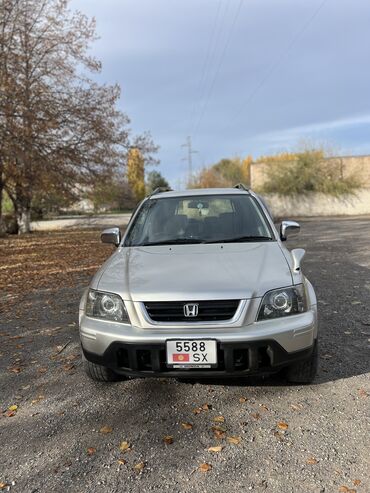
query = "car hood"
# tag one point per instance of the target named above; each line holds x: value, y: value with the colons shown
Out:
x: 195, y: 272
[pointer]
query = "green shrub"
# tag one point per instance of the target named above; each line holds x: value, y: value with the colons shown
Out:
x: 309, y: 172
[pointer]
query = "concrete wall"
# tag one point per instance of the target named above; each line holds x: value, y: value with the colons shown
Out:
x: 79, y: 222
x: 319, y: 204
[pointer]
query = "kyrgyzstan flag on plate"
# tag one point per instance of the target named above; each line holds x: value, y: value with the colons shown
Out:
x: 180, y: 358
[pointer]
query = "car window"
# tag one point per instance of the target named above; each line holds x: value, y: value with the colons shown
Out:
x: 199, y: 219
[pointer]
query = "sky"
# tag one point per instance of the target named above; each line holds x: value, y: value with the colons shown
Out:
x: 240, y: 77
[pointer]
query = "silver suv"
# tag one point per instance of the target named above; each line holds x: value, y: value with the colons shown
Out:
x: 200, y: 285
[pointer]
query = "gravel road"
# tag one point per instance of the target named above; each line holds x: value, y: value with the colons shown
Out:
x: 66, y: 433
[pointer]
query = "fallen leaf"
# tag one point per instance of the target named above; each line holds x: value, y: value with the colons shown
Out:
x: 218, y: 428
x: 206, y: 407
x: 219, y: 431
x: 10, y: 414
x: 14, y: 407
x: 282, y: 425
x: 124, y: 446
x: 187, y: 426
x: 216, y: 448
x: 219, y: 419
x: 256, y: 415
x: 205, y: 467
x: 15, y: 369
x: 264, y: 407
x: 345, y: 489
x: 311, y: 460
x: 91, y: 451
x: 362, y: 393
x: 197, y: 410
x: 139, y: 467
x: 279, y: 435
x: 234, y: 440
x: 242, y: 400
x: 106, y: 429
x: 357, y: 482
x: 3, y: 485
x: 168, y: 439
x: 296, y: 407
x: 122, y: 462
x: 42, y: 370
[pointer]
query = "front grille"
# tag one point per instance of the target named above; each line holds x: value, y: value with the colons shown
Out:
x: 208, y: 311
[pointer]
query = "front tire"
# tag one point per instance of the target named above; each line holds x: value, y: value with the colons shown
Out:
x: 100, y: 373
x: 304, y: 371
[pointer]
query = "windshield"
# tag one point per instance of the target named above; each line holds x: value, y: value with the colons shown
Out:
x: 199, y: 219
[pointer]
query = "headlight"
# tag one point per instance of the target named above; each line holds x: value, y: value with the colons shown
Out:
x: 283, y: 302
x: 107, y: 306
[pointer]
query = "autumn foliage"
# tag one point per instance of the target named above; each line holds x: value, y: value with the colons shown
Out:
x: 60, y: 131
x: 225, y: 173
x: 136, y: 173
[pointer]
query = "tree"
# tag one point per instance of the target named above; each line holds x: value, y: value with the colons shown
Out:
x: 136, y: 173
x: 59, y: 130
x: 114, y: 192
x: 225, y: 173
x: 155, y: 180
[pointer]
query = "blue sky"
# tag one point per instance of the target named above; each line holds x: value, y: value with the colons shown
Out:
x: 240, y: 76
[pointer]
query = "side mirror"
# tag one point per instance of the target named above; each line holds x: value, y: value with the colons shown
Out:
x: 111, y: 235
x: 288, y: 228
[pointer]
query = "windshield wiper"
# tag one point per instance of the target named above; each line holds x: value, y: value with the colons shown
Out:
x: 242, y: 239
x: 176, y: 241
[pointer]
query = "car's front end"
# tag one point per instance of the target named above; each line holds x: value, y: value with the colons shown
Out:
x: 200, y: 309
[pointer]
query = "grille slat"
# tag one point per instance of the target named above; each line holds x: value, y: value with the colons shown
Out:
x: 208, y: 310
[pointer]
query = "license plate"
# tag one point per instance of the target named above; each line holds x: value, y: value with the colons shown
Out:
x: 195, y: 353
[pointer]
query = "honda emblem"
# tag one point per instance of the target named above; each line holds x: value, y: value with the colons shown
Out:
x: 191, y: 310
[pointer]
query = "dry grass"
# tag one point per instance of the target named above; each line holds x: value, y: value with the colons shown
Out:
x: 47, y: 261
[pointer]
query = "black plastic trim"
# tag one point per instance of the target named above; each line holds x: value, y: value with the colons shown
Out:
x: 234, y: 359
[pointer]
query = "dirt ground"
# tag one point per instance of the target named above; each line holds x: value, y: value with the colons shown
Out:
x: 61, y: 432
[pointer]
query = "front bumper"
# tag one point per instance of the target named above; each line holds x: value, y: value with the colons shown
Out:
x: 258, y: 347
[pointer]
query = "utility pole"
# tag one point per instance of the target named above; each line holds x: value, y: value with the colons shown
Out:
x: 189, y: 157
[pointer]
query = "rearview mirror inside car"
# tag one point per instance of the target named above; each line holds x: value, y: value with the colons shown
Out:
x: 111, y: 235
x: 197, y: 204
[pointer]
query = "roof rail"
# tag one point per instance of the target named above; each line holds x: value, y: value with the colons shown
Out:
x: 160, y: 190
x: 240, y: 186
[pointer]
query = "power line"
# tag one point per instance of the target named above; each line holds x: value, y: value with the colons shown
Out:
x: 206, y: 63
x: 213, y: 58
x: 277, y: 62
x: 221, y: 59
